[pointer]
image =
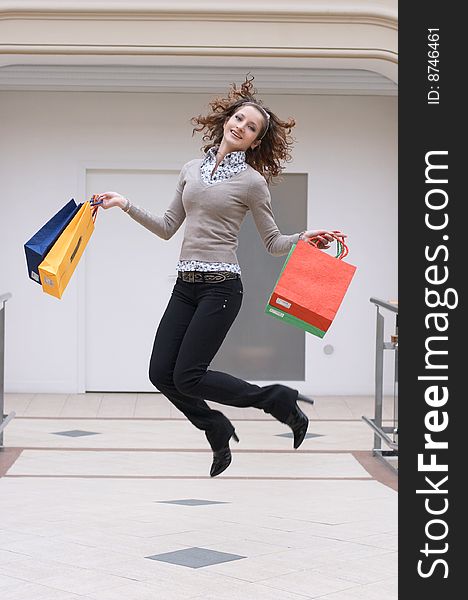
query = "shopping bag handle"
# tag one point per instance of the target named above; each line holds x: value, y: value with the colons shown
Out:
x: 78, y: 244
x: 94, y: 208
x: 94, y: 202
x: 342, y: 248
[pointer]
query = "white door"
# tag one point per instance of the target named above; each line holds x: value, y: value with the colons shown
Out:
x: 130, y: 273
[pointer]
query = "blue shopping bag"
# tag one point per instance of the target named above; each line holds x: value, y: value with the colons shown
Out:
x: 41, y: 242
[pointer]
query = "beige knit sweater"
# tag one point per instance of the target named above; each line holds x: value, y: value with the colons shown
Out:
x: 214, y: 214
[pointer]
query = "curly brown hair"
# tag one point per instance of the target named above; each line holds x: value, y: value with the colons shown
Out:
x: 276, y: 143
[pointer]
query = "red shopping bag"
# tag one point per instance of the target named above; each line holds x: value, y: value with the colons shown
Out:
x: 311, y: 286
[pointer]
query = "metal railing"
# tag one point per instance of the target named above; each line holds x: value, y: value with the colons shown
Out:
x: 384, y: 434
x: 4, y: 419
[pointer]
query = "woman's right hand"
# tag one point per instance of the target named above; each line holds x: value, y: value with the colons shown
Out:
x: 323, y: 237
x: 110, y: 199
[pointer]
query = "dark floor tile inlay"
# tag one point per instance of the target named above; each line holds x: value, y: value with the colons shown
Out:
x: 76, y: 433
x: 308, y: 435
x: 195, y: 557
x: 191, y: 502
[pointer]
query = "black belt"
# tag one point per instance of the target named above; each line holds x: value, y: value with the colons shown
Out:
x: 206, y: 276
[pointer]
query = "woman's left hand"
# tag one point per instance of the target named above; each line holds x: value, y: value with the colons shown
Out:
x: 323, y: 236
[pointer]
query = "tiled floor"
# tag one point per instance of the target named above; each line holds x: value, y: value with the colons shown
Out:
x: 108, y: 497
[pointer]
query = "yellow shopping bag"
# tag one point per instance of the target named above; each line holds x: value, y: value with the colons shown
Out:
x: 59, y: 263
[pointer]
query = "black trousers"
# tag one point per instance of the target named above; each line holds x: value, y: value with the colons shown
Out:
x: 191, y: 331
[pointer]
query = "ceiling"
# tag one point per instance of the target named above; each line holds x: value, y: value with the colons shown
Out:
x: 193, y: 79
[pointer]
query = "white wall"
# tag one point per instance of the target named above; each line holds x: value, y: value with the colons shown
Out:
x: 347, y: 144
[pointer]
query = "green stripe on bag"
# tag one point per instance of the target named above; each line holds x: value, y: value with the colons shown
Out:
x: 290, y: 320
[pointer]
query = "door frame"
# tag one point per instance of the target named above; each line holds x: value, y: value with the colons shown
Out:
x: 83, y: 168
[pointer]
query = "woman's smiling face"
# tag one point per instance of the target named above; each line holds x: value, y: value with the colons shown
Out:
x: 243, y: 127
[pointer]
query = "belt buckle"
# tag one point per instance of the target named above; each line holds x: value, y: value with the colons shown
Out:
x: 191, y: 277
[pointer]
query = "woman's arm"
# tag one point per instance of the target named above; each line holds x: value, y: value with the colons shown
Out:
x: 259, y: 201
x: 164, y: 227
x: 275, y: 242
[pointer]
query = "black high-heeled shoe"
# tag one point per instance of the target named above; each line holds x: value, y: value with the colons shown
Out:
x: 298, y: 421
x: 222, y: 458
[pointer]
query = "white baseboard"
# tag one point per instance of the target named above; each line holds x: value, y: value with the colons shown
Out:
x: 42, y: 387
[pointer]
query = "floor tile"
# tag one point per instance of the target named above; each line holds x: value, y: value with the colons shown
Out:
x: 113, y: 405
x: 260, y: 568
x: 380, y: 540
x: 29, y: 591
x: 8, y: 582
x: 387, y: 588
x: 233, y: 590
x: 180, y: 434
x: 362, y: 571
x: 75, y: 433
x: 136, y: 590
x: 153, y: 405
x: 308, y: 436
x: 84, y: 582
x: 308, y: 583
x: 195, y: 557
x: 45, y: 462
x: 31, y: 569
x: 17, y: 403
x: 190, y: 502
x: 81, y: 405
x: 7, y: 556
x: 43, y: 405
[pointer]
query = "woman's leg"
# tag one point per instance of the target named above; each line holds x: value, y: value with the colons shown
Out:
x: 217, y: 307
x: 169, y: 337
